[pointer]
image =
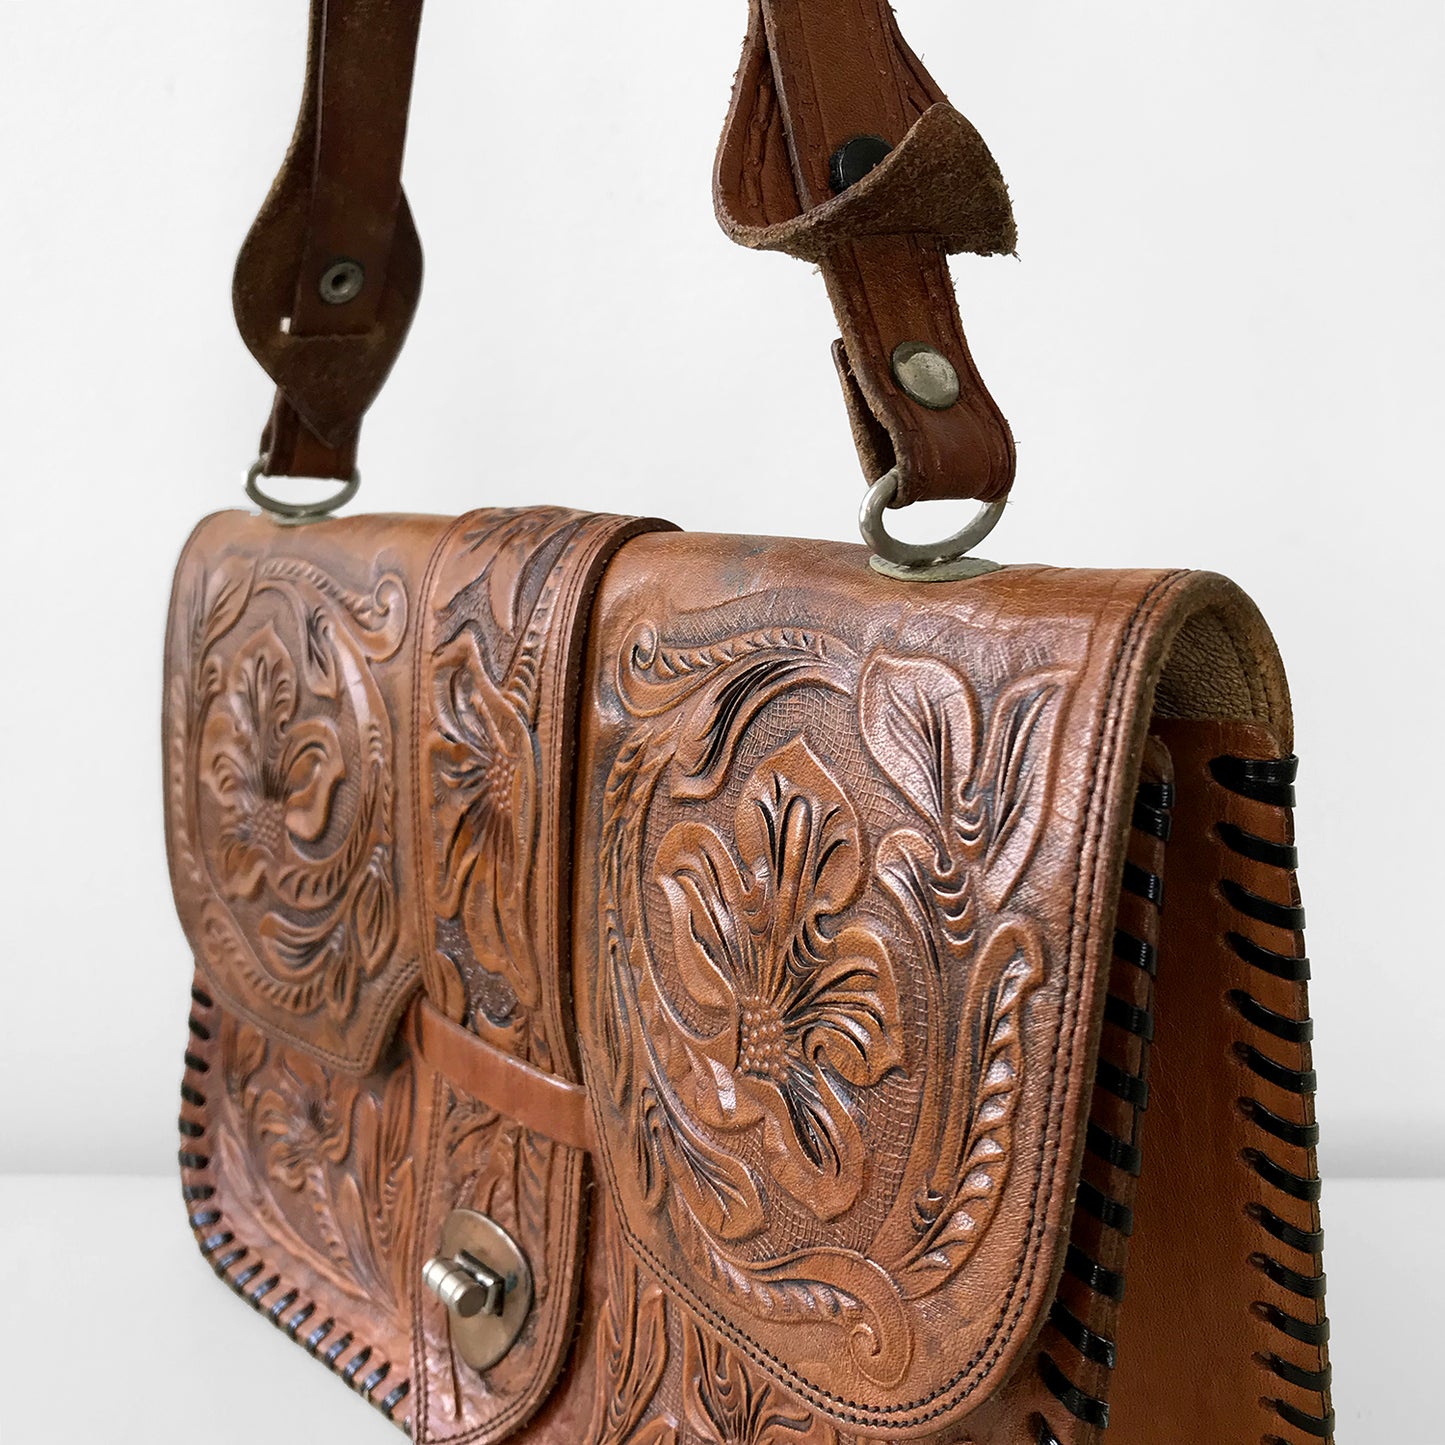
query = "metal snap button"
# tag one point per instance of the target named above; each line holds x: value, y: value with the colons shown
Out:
x: 926, y: 375
x: 342, y: 281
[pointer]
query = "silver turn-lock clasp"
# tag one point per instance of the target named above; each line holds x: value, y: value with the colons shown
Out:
x: 481, y: 1275
x: 465, y: 1285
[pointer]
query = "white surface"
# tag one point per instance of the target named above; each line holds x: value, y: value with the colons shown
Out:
x: 113, y: 1329
x: 1222, y: 346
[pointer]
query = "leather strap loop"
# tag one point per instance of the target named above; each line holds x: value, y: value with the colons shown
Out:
x: 337, y: 200
x: 814, y: 74
x: 537, y: 1100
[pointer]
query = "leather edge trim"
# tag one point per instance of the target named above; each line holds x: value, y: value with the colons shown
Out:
x: 200, y: 1186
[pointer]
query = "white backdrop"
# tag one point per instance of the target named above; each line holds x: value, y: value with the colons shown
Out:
x: 1221, y: 346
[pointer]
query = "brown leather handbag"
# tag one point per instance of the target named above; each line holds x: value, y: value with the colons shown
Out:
x: 662, y: 988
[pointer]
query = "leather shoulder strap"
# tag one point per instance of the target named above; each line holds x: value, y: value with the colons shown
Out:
x: 839, y: 148
x: 329, y: 276
x: 826, y: 89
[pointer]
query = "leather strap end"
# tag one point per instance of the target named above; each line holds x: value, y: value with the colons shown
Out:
x: 883, y: 239
x: 336, y: 211
x: 292, y: 449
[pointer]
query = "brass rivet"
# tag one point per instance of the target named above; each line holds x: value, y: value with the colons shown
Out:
x: 925, y: 375
x: 342, y: 281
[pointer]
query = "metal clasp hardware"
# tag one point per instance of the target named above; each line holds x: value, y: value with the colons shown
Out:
x: 943, y: 561
x: 294, y: 512
x: 465, y: 1285
x: 481, y: 1275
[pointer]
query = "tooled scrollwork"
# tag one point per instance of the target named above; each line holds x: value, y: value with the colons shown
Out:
x: 323, y: 1163
x: 281, y: 779
x: 979, y: 795
x: 632, y: 1355
x: 778, y: 1011
x: 489, y: 633
x: 726, y: 1404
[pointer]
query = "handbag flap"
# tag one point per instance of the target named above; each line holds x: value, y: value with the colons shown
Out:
x: 289, y: 677
x: 849, y: 854
x: 369, y: 737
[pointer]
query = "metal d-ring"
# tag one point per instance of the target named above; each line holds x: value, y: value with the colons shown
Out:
x: 942, y: 561
x: 297, y: 511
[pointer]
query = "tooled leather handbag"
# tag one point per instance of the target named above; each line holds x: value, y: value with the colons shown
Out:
x: 668, y: 988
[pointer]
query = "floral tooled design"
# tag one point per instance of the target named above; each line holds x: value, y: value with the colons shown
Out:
x: 484, y: 647
x: 483, y: 764
x: 632, y: 1355
x: 326, y: 1162
x: 727, y: 1405
x: 281, y: 785
x: 978, y: 791
x: 808, y: 1009
x: 747, y: 1060
x: 272, y: 777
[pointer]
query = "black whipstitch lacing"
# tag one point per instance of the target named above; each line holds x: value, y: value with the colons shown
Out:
x: 264, y: 1291
x: 1271, y: 782
x: 1133, y: 1020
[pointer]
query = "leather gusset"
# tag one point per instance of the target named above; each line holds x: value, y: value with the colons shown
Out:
x: 808, y: 878
x: 940, y: 181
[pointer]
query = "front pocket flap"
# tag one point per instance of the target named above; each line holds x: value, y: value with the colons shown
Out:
x: 289, y: 671
x: 852, y: 848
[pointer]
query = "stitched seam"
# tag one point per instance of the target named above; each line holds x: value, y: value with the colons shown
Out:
x: 1320, y: 1425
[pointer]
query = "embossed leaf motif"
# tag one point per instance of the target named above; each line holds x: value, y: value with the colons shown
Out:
x: 983, y: 792
x: 1014, y: 778
x: 726, y: 1405
x: 485, y: 812
x: 805, y: 1011
x: 632, y: 1355
x: 303, y: 1128
x: 273, y: 777
x: 954, y: 1213
x: 335, y: 1168
x: 920, y: 721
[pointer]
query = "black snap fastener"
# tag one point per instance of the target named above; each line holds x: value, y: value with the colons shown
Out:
x: 854, y: 159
